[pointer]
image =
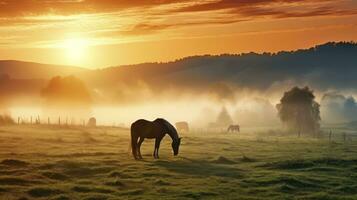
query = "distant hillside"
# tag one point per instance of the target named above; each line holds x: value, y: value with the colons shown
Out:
x: 331, y: 65
x: 30, y: 70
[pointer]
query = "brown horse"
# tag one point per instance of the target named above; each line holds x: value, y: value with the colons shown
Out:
x: 157, y: 129
x: 233, y: 128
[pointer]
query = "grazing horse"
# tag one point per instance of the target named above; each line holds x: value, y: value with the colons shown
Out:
x: 233, y: 128
x: 92, y: 122
x: 182, y: 126
x: 157, y: 129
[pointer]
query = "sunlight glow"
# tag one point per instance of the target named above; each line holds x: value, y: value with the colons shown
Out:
x: 75, y: 49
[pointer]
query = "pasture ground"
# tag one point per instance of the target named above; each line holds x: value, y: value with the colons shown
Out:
x: 93, y: 164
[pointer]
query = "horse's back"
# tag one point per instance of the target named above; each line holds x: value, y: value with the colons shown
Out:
x: 145, y: 128
x: 140, y: 124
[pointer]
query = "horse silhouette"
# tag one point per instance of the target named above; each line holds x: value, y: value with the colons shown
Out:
x: 157, y: 129
x: 233, y: 128
x: 182, y: 126
x: 92, y: 122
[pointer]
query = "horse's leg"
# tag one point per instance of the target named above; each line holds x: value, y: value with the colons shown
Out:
x: 141, y: 140
x: 157, y: 146
x: 134, y: 142
x: 154, y: 154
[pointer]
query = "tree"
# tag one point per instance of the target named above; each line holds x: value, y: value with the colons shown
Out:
x: 66, y: 92
x: 224, y: 119
x: 67, y: 98
x: 6, y: 120
x: 298, y: 110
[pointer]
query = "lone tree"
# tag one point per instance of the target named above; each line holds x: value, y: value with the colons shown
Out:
x: 224, y: 119
x: 299, y: 111
x: 66, y: 97
x: 66, y: 91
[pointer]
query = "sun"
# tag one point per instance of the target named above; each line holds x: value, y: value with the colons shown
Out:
x: 75, y: 49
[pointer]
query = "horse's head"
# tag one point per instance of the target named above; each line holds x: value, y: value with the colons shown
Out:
x: 175, y: 146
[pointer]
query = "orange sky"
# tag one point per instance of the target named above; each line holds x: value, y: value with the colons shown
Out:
x: 101, y: 33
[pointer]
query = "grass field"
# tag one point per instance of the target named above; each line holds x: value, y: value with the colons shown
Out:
x: 78, y: 163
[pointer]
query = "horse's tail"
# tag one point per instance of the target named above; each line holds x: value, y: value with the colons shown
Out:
x: 133, y: 143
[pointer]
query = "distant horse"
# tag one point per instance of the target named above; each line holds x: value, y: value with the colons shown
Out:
x: 182, y: 126
x: 157, y: 129
x: 233, y: 128
x: 92, y: 122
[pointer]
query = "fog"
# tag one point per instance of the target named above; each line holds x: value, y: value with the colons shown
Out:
x: 199, y: 110
x: 248, y: 108
x: 338, y: 108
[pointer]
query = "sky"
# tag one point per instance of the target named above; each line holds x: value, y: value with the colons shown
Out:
x: 103, y: 33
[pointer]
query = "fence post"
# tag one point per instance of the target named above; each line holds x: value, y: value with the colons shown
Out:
x: 59, y: 120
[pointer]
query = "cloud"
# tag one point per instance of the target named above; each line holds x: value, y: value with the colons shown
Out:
x: 10, y: 8
x: 278, y: 8
x: 274, y: 8
x: 117, y: 21
x: 147, y: 28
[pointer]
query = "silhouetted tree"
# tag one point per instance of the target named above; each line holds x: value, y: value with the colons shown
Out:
x: 298, y: 110
x: 66, y: 98
x: 224, y: 119
x: 6, y: 120
x: 67, y: 91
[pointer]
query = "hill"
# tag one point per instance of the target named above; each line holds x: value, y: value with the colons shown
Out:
x: 324, y: 66
x: 31, y: 70
x: 331, y: 66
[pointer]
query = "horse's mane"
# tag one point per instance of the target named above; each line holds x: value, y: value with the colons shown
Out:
x: 169, y: 127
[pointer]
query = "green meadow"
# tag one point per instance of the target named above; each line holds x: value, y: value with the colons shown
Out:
x: 42, y: 162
